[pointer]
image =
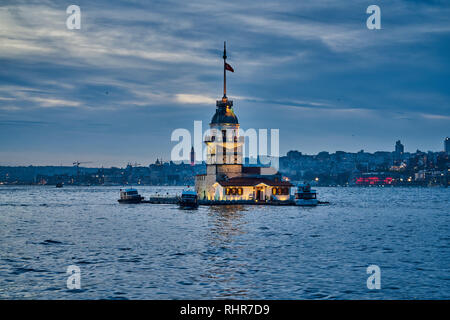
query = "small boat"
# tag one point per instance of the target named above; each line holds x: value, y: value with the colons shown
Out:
x: 59, y: 185
x: 130, y: 195
x: 305, y: 196
x: 188, y: 199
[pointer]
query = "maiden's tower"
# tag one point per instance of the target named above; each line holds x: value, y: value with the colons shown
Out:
x: 226, y: 178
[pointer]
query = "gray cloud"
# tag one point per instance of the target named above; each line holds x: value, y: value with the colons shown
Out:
x: 141, y: 69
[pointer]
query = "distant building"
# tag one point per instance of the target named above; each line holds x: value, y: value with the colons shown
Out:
x: 399, y: 148
x: 447, y: 145
x: 294, y: 154
x: 192, y: 157
x: 398, y: 153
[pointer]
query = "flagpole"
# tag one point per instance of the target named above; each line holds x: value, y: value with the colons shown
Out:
x: 224, y: 70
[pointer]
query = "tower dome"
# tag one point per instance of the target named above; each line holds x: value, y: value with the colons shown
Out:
x: 224, y: 108
x: 224, y: 113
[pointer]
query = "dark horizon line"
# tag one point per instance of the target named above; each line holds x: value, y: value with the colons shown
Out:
x: 187, y: 161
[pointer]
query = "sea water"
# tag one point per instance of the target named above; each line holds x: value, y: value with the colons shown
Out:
x: 147, y: 251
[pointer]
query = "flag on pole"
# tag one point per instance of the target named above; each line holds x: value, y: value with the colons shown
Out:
x: 228, y: 67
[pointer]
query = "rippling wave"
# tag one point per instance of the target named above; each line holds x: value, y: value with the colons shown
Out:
x: 252, y: 252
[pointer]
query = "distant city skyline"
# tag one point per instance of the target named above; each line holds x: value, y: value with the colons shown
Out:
x: 113, y: 91
x: 145, y: 162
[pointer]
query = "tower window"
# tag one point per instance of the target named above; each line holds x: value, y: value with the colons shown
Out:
x: 234, y: 191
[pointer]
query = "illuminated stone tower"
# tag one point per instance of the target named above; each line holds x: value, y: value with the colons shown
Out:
x: 226, y: 179
x: 224, y: 146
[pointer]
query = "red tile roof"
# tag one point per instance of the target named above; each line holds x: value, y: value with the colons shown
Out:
x: 244, y: 181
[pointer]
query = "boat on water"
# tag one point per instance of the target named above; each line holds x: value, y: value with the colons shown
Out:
x: 59, y: 185
x: 130, y: 195
x: 305, y: 196
x: 188, y: 200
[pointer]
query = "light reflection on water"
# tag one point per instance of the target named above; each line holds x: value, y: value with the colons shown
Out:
x: 257, y: 252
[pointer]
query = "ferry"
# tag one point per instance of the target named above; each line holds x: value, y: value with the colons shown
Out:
x: 188, y: 199
x: 130, y: 195
x: 305, y: 196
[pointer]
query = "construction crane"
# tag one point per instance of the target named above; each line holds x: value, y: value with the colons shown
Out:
x: 77, y: 164
x: 133, y: 165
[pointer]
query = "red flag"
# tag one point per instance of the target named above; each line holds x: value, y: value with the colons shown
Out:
x: 228, y: 67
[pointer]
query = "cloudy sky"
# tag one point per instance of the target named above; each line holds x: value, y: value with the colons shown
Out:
x: 113, y: 91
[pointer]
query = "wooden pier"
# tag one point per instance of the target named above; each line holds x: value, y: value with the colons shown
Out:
x: 176, y: 199
x: 245, y: 202
x: 162, y: 200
